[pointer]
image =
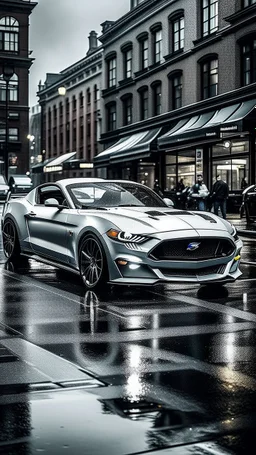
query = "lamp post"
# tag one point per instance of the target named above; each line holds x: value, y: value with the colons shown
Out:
x: 8, y: 72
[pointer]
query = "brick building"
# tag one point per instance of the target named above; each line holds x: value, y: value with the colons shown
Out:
x: 15, y: 62
x: 179, y: 92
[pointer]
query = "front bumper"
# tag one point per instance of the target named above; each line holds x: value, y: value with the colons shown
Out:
x: 136, y: 267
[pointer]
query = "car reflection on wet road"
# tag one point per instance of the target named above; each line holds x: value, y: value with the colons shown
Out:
x: 178, y: 360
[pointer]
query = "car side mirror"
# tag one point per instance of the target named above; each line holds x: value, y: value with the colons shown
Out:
x: 52, y: 202
x: 168, y: 202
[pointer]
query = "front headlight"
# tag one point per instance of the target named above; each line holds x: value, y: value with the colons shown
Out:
x: 234, y: 232
x: 126, y: 237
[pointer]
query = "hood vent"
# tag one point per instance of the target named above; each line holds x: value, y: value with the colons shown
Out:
x: 207, y: 217
x: 178, y: 212
x: 155, y: 213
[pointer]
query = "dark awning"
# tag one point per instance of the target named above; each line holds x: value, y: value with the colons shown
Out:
x: 56, y: 165
x: 209, y: 124
x: 136, y: 146
x: 38, y: 168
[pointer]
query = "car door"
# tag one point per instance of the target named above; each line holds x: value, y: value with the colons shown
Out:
x: 47, y: 226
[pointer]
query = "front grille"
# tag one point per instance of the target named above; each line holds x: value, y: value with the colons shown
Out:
x: 178, y: 250
x: 188, y: 273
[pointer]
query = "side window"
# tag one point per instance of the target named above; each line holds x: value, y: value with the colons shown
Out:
x: 47, y: 192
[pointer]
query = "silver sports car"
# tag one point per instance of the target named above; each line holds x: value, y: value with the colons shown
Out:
x: 119, y: 232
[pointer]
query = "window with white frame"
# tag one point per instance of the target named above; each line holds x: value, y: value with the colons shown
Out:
x: 111, y: 117
x: 111, y: 75
x: 209, y: 77
x: 175, y: 80
x: 12, y: 88
x: 248, y: 48
x: 157, y: 46
x: 12, y: 136
x: 157, y: 97
x: 9, y: 34
x: 144, y: 62
x: 209, y: 16
x: 177, y: 32
x: 143, y: 95
x: 127, y: 59
x: 127, y: 109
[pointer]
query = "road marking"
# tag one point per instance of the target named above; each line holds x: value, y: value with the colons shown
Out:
x: 217, y: 307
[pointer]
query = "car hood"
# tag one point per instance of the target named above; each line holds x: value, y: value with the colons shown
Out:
x: 153, y: 220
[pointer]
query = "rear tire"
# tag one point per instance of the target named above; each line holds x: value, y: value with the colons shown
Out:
x: 11, y: 244
x: 92, y: 263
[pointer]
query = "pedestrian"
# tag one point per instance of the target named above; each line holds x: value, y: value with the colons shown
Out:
x: 244, y: 183
x: 158, y: 189
x: 219, y: 196
x: 180, y: 186
x: 199, y: 192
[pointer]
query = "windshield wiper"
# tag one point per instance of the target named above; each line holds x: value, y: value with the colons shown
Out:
x: 92, y: 207
x: 130, y: 205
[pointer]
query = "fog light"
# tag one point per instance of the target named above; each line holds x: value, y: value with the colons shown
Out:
x: 121, y: 262
x: 237, y: 257
x: 134, y: 266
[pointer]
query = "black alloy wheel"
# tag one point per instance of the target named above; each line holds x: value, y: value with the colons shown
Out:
x: 11, y: 243
x: 92, y: 262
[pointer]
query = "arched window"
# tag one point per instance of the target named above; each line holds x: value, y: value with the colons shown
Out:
x: 248, y: 58
x: 111, y: 116
x: 12, y: 88
x: 157, y: 97
x: 9, y: 34
x: 111, y: 69
x: 127, y: 108
x: 175, y: 89
x: 209, y: 14
x: 209, y: 76
x: 176, y: 21
x: 157, y: 35
x: 143, y: 50
x: 143, y: 94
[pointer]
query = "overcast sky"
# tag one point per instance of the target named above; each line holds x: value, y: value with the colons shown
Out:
x: 59, y: 32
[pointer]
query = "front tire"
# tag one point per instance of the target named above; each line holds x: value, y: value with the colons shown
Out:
x: 92, y: 263
x: 11, y: 244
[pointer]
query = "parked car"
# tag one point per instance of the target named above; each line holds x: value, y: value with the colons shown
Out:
x: 248, y: 206
x: 119, y: 232
x: 4, y: 188
x: 20, y: 184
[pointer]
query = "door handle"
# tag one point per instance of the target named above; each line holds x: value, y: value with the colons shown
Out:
x: 30, y: 214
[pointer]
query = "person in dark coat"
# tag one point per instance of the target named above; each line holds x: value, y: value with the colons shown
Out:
x: 180, y: 186
x: 158, y: 189
x: 219, y: 195
x: 244, y: 183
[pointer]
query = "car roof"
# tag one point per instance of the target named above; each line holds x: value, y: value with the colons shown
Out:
x: 71, y: 181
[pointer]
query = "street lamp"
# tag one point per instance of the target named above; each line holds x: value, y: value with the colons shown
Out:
x: 8, y: 72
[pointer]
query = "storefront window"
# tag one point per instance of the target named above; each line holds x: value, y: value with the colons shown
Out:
x: 231, y: 162
x: 180, y: 165
x: 146, y: 174
x: 231, y: 171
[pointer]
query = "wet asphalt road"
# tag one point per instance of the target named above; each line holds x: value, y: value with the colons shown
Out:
x: 165, y: 367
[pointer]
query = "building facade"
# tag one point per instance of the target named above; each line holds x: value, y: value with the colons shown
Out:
x: 71, y: 118
x: 179, y: 92
x: 15, y: 62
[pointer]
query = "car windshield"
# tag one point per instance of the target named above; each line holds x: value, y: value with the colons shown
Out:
x: 2, y: 180
x: 107, y: 194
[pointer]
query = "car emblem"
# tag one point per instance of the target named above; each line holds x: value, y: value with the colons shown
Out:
x: 193, y: 246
